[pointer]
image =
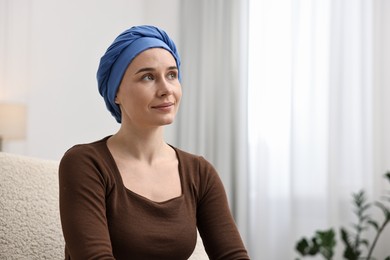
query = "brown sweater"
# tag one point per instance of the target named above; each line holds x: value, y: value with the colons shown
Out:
x: 101, y: 219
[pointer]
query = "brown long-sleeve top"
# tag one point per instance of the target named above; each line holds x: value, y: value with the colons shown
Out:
x: 102, y: 219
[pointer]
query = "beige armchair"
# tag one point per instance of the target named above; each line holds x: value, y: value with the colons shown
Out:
x: 29, y: 214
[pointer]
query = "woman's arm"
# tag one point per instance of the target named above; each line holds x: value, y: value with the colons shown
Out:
x: 82, y: 207
x: 215, y: 222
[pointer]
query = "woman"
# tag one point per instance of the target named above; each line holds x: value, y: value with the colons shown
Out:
x: 131, y: 195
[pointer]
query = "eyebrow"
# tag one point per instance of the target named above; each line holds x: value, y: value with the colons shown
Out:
x: 152, y: 69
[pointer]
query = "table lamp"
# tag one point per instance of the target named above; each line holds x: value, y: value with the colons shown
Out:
x: 12, y: 122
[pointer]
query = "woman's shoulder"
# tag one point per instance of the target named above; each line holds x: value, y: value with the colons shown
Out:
x: 92, y: 149
x: 189, y: 157
x: 194, y: 163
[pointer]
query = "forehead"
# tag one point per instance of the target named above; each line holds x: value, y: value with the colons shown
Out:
x: 153, y: 57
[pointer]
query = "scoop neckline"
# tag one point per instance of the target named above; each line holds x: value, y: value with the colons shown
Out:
x: 137, y: 195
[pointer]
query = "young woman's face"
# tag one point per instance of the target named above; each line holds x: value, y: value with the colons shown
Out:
x: 150, y: 91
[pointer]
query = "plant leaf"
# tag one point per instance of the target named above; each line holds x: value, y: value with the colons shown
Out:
x: 302, y: 246
x: 385, y: 210
x: 351, y: 254
x: 327, y: 238
x: 387, y: 175
x: 315, y: 248
x: 374, y: 224
x: 365, y: 217
x: 365, y: 207
x: 345, y: 237
x: 365, y: 242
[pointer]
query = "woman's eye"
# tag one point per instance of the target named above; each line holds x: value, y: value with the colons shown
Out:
x: 147, y: 77
x: 172, y: 75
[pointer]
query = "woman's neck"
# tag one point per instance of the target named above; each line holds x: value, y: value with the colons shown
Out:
x: 144, y: 145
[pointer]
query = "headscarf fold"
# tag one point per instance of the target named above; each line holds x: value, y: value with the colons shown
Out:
x: 119, y: 55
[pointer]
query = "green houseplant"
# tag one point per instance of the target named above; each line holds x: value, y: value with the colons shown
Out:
x: 323, y: 242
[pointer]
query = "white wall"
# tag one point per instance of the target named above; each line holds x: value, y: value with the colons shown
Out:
x: 49, y: 53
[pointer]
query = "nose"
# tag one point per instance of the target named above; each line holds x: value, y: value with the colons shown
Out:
x: 165, y: 88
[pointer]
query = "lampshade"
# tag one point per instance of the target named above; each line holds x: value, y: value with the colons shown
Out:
x: 12, y: 121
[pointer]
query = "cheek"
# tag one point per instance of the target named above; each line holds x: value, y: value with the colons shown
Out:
x: 129, y: 99
x: 178, y: 97
x: 178, y: 93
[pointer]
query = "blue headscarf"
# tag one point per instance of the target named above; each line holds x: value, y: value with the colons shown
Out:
x: 119, y: 55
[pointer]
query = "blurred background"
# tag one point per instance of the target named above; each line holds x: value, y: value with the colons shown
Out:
x: 289, y: 99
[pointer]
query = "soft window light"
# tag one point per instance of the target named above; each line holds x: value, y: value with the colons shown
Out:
x: 12, y: 122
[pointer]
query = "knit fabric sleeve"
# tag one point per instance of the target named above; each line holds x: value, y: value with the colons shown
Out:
x: 82, y: 205
x: 214, y: 220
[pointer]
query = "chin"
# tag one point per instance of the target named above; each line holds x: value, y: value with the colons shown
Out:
x: 167, y: 121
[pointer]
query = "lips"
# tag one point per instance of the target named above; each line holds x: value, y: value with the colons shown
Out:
x: 163, y: 105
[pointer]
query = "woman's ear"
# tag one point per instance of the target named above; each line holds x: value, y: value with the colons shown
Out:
x: 116, y: 100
